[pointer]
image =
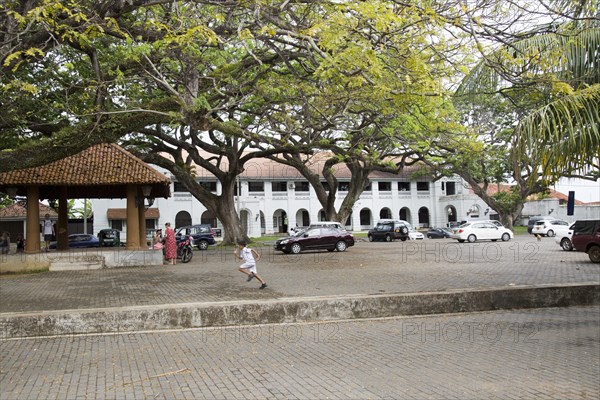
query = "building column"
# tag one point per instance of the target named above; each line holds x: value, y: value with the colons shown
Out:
x: 62, y: 233
x: 32, y: 236
x: 133, y: 224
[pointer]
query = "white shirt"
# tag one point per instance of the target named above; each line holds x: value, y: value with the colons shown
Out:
x: 247, y: 255
x: 47, y: 224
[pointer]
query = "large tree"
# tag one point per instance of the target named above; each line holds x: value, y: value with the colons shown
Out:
x: 539, y: 96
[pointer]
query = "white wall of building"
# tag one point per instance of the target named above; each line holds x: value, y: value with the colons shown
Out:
x: 262, y: 211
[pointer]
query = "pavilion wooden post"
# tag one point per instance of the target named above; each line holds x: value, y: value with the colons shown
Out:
x: 62, y: 232
x: 142, y: 221
x: 32, y: 237
x: 133, y: 224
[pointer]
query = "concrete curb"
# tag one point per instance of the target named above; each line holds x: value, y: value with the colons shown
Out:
x: 287, y: 310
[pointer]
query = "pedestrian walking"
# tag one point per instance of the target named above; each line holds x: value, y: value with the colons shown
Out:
x: 20, y: 243
x: 248, y: 267
x: 5, y: 243
x: 170, y: 245
x: 47, y: 231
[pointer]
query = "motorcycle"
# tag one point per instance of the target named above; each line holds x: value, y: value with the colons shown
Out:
x: 184, y: 250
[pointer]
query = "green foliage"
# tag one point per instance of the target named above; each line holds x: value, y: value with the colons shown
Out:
x: 507, y: 201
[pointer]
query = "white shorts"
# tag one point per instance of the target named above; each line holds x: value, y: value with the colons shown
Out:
x: 250, y: 267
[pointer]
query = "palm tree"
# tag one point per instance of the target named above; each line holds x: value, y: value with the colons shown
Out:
x: 552, y: 76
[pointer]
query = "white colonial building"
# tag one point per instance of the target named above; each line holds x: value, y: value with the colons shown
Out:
x: 274, y: 198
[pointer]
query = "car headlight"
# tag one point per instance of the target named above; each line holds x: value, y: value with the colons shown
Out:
x: 284, y: 241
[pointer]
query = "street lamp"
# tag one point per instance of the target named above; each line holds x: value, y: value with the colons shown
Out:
x: 140, y: 201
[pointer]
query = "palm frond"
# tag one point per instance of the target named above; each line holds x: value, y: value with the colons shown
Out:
x: 569, y: 56
x: 565, y: 134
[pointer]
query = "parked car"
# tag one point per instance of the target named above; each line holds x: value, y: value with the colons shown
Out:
x: 547, y: 227
x: 80, y: 240
x: 202, y: 234
x: 109, y: 238
x: 586, y: 237
x: 389, y: 230
x: 316, y: 239
x: 563, y: 237
x: 438, y: 233
x: 414, y: 234
x: 474, y: 231
x: 329, y: 224
x: 535, y: 219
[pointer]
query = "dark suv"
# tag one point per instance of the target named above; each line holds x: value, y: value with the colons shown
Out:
x: 202, y: 234
x: 586, y: 237
x: 388, y: 231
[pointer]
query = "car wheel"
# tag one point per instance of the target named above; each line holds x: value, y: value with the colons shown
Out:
x: 370, y: 238
x: 472, y: 238
x: 505, y: 237
x: 296, y: 248
x: 428, y: 236
x: 203, y: 245
x: 594, y: 254
x: 388, y: 238
x: 550, y: 233
x: 341, y: 246
x: 404, y: 239
x: 566, y: 244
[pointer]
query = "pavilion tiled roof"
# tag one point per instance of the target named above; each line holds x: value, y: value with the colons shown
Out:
x: 101, y: 171
x: 18, y: 210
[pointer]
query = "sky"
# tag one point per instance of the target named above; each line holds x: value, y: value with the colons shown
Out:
x: 586, y: 191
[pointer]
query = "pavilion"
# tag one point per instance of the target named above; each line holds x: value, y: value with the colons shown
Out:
x: 101, y: 171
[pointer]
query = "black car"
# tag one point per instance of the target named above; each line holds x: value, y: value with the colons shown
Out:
x: 202, y: 234
x: 109, y: 238
x: 438, y: 233
x: 586, y: 237
x: 388, y: 231
x: 316, y: 239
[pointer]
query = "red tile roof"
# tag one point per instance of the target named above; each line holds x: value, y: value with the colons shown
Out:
x: 19, y: 210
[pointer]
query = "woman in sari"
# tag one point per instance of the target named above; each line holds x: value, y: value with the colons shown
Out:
x: 170, y: 245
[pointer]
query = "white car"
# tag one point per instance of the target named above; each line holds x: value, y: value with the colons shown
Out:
x: 563, y: 237
x: 415, y: 235
x: 549, y: 227
x: 474, y: 231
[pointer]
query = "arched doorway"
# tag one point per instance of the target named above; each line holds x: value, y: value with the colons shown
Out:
x: 424, y: 217
x: 385, y: 213
x: 451, y: 213
x: 208, y: 218
x: 365, y: 218
x: 183, y: 218
x: 302, y: 217
x: 280, y: 221
x: 405, y: 214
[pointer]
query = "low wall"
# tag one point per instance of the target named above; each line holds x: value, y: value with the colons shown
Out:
x: 198, y: 315
x: 79, y: 260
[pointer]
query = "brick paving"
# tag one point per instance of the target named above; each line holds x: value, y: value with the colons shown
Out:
x: 551, y: 353
x: 367, y: 268
x: 529, y: 354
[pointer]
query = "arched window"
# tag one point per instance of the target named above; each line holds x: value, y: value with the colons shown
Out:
x: 183, y: 218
